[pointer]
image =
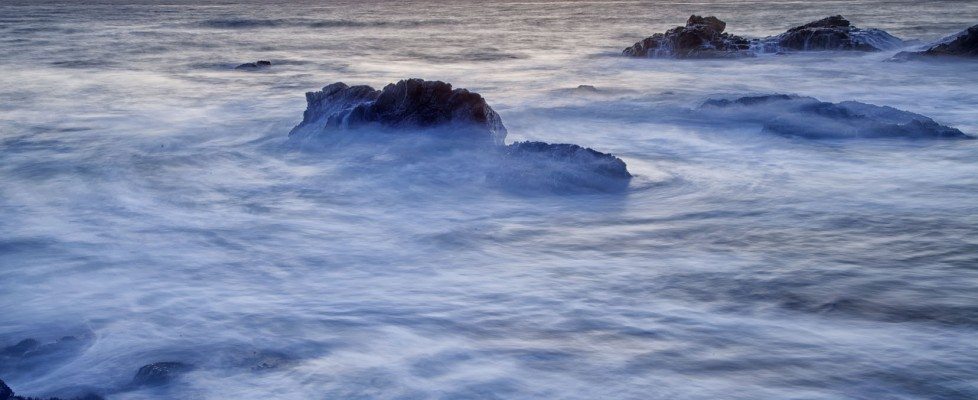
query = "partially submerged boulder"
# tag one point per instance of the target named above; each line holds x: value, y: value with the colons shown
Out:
x: 704, y: 37
x: 701, y: 37
x: 159, y: 373
x: 832, y: 33
x: 807, y: 117
x: 408, y: 105
x: 455, y: 117
x: 963, y: 44
x: 251, y: 66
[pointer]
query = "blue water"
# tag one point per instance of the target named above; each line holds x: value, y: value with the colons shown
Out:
x: 151, y: 208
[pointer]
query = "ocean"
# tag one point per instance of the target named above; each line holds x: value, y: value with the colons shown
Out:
x: 152, y: 209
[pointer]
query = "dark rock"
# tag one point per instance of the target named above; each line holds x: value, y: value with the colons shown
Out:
x: 260, y: 64
x: 702, y: 37
x: 160, y: 373
x: 810, y: 118
x: 832, y: 33
x: 6, y: 393
x: 415, y: 105
x: 408, y: 105
x: 963, y: 44
x: 597, y: 162
x: 560, y: 167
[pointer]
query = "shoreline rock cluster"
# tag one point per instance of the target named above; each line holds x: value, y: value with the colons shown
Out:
x: 704, y: 37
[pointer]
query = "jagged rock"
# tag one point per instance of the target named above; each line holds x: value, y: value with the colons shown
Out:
x: 408, y: 105
x: 6, y: 393
x: 260, y: 64
x: 961, y: 44
x: 808, y: 117
x: 158, y: 374
x: 832, y: 33
x: 702, y: 37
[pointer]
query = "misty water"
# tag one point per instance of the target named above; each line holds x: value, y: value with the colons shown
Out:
x: 152, y: 208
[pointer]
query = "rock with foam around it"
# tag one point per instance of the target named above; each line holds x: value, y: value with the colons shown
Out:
x: 701, y: 37
x: 963, y: 45
x: 810, y: 118
x: 832, y: 33
x: 407, y: 106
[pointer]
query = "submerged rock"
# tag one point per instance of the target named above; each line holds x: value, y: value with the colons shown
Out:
x: 411, y: 104
x: 702, y: 37
x: 964, y: 44
x: 560, y: 167
x: 158, y: 374
x: 808, y: 117
x: 6, y: 393
x: 832, y: 33
x: 260, y: 64
x: 455, y: 117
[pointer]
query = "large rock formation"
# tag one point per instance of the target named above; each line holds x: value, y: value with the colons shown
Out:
x: 832, y: 33
x: 963, y: 44
x: 702, y: 37
x: 408, y: 105
x: 808, y: 117
x: 456, y: 117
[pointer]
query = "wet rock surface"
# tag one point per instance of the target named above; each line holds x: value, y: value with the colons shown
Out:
x: 704, y: 37
x: 561, y: 167
x: 832, y: 33
x: 411, y: 104
x: 460, y: 117
x: 701, y: 37
x: 964, y: 44
x: 159, y: 373
x: 251, y: 66
x: 807, y: 117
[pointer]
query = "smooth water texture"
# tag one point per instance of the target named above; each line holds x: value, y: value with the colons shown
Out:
x: 151, y: 207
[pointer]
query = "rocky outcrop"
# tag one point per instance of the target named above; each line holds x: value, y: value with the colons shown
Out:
x: 408, y: 105
x: 456, y: 117
x: 807, y: 117
x: 964, y: 44
x: 702, y: 37
x: 260, y: 64
x: 832, y: 33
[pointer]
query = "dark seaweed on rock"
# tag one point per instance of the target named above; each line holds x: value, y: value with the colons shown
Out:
x: 808, y: 117
x: 964, y: 44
